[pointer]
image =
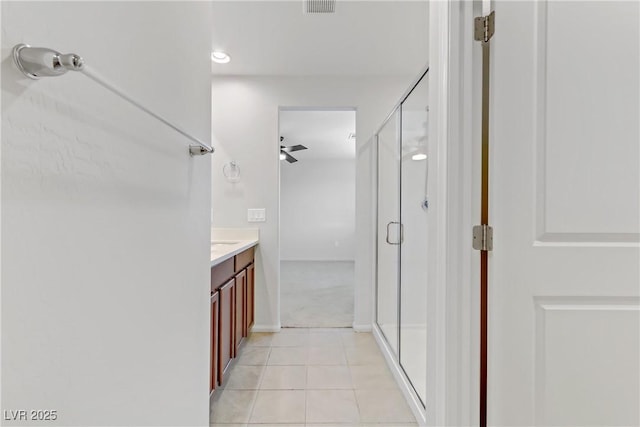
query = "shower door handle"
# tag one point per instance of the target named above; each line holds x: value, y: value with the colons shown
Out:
x: 401, y: 233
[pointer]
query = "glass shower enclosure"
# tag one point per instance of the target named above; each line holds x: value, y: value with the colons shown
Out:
x: 402, y: 214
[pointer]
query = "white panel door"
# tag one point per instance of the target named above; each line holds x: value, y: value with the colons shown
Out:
x: 565, y: 185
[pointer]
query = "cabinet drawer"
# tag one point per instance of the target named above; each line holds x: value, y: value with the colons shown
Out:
x: 243, y: 259
x: 221, y: 273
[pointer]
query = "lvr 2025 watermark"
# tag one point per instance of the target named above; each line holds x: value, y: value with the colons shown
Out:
x: 30, y: 414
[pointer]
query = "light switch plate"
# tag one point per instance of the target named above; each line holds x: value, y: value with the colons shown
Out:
x: 256, y: 215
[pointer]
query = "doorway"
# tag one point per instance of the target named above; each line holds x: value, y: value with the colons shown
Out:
x: 317, y: 217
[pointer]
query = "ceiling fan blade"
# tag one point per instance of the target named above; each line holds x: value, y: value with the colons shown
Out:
x: 296, y: 148
x: 289, y: 157
x: 292, y: 148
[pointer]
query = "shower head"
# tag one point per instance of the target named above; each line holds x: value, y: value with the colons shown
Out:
x: 36, y: 62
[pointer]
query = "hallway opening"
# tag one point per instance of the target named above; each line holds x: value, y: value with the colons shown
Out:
x: 317, y: 222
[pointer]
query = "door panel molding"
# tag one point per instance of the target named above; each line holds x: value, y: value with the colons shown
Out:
x: 568, y: 125
x: 565, y: 325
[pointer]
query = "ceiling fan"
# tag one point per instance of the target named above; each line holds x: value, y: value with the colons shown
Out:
x: 285, y: 150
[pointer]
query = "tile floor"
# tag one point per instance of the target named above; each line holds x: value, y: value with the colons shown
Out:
x: 310, y: 377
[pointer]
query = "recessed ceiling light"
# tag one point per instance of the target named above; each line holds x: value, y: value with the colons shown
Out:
x: 220, y: 57
x: 419, y: 156
x: 282, y: 156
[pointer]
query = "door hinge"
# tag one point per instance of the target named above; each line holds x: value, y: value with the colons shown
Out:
x: 484, y: 27
x: 483, y: 237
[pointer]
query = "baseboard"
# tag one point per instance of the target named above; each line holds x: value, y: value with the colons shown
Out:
x: 364, y: 327
x: 265, y: 328
x: 406, y: 389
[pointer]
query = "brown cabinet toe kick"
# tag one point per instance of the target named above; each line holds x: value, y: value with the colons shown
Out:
x: 232, y: 311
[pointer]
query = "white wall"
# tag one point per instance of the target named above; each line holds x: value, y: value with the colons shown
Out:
x: 105, y: 222
x: 318, y: 210
x: 245, y: 128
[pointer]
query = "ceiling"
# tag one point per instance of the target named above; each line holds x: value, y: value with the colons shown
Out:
x: 324, y: 133
x: 361, y: 38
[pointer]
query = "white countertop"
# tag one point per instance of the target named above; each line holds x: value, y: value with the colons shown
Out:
x: 222, y: 250
x: 228, y: 242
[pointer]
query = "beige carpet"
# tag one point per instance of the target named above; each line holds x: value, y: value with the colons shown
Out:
x: 316, y: 294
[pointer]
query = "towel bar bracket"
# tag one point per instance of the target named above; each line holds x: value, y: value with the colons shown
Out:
x: 37, y: 62
x: 199, y: 150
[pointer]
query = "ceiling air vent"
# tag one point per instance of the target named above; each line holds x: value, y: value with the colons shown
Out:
x: 319, y: 6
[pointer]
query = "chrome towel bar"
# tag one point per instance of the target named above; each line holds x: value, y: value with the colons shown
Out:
x: 37, y: 62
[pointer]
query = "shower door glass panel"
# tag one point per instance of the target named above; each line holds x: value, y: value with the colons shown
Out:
x: 388, y: 225
x: 413, y: 252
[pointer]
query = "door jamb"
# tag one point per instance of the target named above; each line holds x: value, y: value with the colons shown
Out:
x: 453, y: 306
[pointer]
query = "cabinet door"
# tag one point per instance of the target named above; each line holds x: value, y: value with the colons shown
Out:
x: 250, y: 296
x: 239, y: 325
x: 215, y: 305
x: 226, y: 339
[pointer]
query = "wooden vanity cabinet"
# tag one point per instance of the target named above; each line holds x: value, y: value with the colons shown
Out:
x: 232, y: 310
